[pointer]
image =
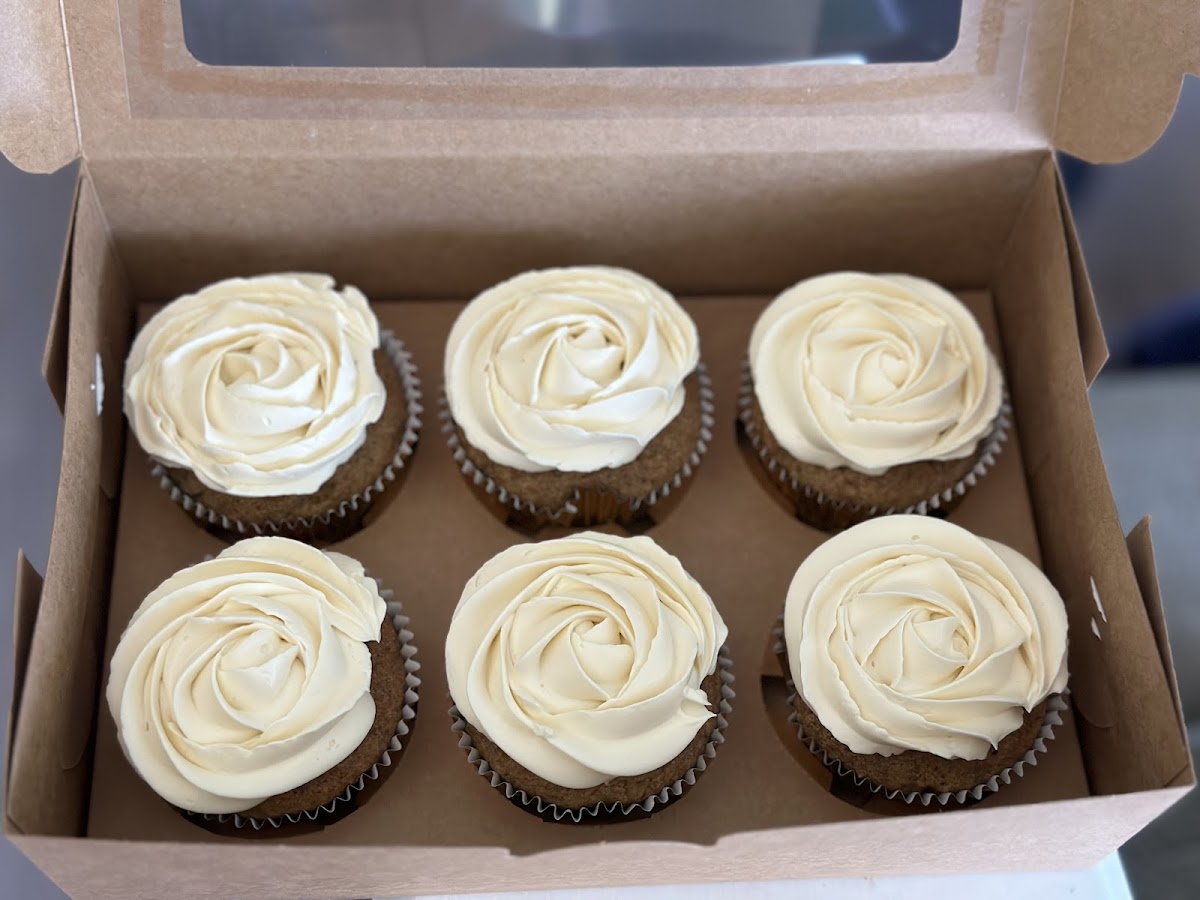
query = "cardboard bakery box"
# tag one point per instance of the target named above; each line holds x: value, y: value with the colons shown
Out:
x: 422, y: 186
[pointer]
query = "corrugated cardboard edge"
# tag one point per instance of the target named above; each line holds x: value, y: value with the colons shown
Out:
x: 38, y: 126
x: 27, y: 594
x: 1123, y: 69
x: 54, y: 354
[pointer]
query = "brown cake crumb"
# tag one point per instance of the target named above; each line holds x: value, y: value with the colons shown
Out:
x: 914, y: 770
x: 606, y: 495
x: 351, y: 478
x: 625, y: 789
x: 899, y: 488
x: 387, y: 688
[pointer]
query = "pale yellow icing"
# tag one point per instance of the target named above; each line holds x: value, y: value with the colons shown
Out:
x: 873, y: 371
x: 571, y: 369
x: 910, y: 633
x: 583, y: 657
x: 248, y: 675
x: 261, y: 386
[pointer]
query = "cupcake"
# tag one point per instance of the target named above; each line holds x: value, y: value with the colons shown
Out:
x: 576, y: 397
x: 587, y: 676
x: 871, y: 394
x: 273, y: 405
x: 927, y: 662
x: 265, y: 686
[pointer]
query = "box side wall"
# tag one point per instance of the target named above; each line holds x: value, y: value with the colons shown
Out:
x: 50, y: 758
x: 1120, y: 690
x: 738, y: 223
x: 1042, y: 837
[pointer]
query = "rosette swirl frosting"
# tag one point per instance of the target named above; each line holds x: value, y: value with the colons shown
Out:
x: 873, y: 371
x: 910, y: 633
x: 260, y: 386
x: 583, y: 658
x: 248, y: 675
x: 572, y: 369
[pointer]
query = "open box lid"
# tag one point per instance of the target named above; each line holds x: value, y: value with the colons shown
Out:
x: 1098, y: 79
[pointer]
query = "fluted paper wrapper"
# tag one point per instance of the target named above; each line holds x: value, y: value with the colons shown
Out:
x: 603, y: 811
x: 408, y: 712
x: 338, y: 522
x: 1056, y: 705
x: 814, y: 507
x: 590, y: 508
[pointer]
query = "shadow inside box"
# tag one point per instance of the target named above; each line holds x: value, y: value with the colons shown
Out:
x: 384, y: 268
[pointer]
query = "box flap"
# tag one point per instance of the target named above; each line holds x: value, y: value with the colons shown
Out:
x: 37, y: 108
x: 27, y: 593
x: 1141, y: 554
x: 1098, y: 79
x: 140, y: 93
x: 54, y: 352
x: 1124, y: 66
x: 1093, y: 346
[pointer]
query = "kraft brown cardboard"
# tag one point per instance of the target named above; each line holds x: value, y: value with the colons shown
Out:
x: 424, y: 184
x: 1033, y: 271
x: 1126, y: 57
x: 1101, y: 77
x: 729, y: 533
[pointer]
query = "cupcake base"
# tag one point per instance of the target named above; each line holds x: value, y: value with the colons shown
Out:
x: 835, y: 499
x: 636, y: 495
x: 340, y: 507
x: 913, y: 771
x: 914, y: 776
x: 617, y: 800
x: 342, y: 789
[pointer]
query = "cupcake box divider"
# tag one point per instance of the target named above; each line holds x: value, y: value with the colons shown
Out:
x: 726, y: 185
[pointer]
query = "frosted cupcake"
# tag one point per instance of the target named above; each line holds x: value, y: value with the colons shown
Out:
x: 576, y: 396
x: 273, y: 405
x: 267, y: 685
x: 586, y: 676
x: 869, y: 395
x: 927, y: 662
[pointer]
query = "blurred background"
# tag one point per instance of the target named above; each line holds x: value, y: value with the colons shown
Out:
x: 1139, y: 224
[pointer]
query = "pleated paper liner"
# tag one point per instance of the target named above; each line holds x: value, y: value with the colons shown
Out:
x: 827, y: 513
x: 603, y: 813
x: 357, y: 792
x: 858, y: 790
x: 587, y: 507
x: 349, y: 515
